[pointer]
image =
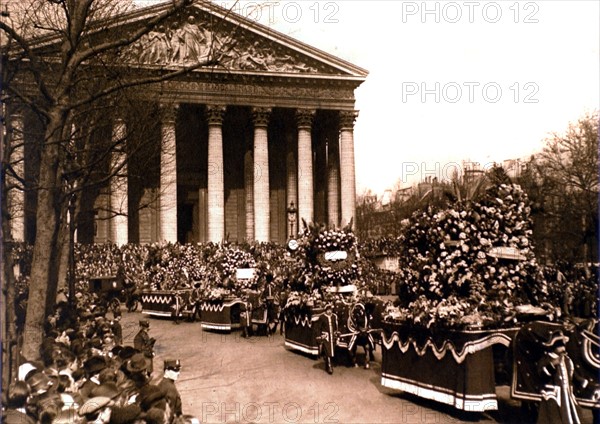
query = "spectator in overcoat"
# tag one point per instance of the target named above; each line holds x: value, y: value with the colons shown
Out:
x: 172, y: 369
x: 145, y: 344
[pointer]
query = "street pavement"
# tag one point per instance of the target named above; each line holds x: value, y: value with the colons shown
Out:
x: 229, y: 379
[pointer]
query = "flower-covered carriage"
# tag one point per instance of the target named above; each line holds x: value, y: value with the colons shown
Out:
x: 331, y: 275
x: 471, y: 282
x: 220, y: 309
x: 169, y: 303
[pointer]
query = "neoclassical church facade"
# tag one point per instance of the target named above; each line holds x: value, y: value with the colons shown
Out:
x: 247, y: 150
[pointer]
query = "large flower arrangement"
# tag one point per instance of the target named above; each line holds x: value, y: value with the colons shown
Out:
x: 229, y: 258
x: 171, y: 266
x: 217, y: 294
x: 302, y: 303
x: 331, y: 257
x: 226, y: 261
x: 455, y: 278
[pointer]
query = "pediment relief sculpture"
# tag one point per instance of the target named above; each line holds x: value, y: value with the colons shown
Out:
x: 191, y: 41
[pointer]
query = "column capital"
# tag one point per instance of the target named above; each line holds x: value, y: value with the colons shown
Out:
x: 347, y: 118
x: 214, y: 114
x: 168, y: 112
x: 304, y: 118
x: 260, y: 116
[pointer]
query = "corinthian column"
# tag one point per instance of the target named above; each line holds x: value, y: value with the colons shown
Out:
x: 262, y: 205
x: 168, y: 176
x: 333, y: 183
x: 216, y: 188
x: 292, y: 182
x: 118, y: 186
x: 304, y: 119
x: 249, y: 190
x: 347, y: 172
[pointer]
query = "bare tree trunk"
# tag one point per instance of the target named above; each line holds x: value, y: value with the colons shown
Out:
x: 7, y: 309
x: 46, y: 253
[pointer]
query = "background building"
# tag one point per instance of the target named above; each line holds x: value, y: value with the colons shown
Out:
x: 244, y: 150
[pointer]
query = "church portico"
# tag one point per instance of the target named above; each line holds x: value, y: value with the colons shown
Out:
x: 243, y: 148
x: 209, y: 191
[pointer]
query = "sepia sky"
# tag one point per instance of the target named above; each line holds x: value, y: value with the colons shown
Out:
x: 482, y: 81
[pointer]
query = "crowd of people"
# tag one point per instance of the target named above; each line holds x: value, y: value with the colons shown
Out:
x: 466, y: 265
x: 88, y: 375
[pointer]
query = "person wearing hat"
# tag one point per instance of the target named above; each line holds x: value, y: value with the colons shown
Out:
x: 137, y: 364
x: 96, y: 410
x: 268, y: 298
x: 246, y: 317
x: 26, y: 369
x: 558, y: 404
x: 117, y: 329
x: 327, y: 327
x: 136, y: 370
x: 145, y: 344
x: 154, y: 405
x: 119, y: 413
x: 172, y: 369
x: 92, y: 368
x: 15, y: 411
x: 39, y: 383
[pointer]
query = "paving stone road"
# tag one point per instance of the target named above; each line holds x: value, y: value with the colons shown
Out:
x: 228, y: 379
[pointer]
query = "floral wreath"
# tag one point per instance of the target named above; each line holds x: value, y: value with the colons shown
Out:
x: 331, y: 254
x: 336, y: 265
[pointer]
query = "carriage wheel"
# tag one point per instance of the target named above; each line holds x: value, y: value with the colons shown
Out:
x: 114, y: 304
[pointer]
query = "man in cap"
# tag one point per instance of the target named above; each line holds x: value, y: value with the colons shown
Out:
x: 327, y: 326
x: 172, y: 369
x: 144, y: 343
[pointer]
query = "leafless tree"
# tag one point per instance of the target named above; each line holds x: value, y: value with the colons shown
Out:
x: 60, y: 61
x: 563, y: 183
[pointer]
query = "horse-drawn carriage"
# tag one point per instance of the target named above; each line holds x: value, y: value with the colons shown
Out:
x: 354, y: 323
x: 463, y: 367
x: 176, y: 304
x: 332, y: 276
x: 220, y: 314
x: 224, y: 314
x: 264, y: 309
x: 108, y: 288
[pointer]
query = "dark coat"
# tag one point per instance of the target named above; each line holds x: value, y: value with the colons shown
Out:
x: 172, y: 395
x: 145, y: 344
x: 327, y: 327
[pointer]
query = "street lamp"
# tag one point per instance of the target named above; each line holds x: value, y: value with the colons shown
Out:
x: 291, y: 210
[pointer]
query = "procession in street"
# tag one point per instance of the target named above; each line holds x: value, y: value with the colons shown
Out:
x: 189, y: 235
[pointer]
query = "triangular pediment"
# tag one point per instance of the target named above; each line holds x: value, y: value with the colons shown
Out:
x: 205, y: 32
